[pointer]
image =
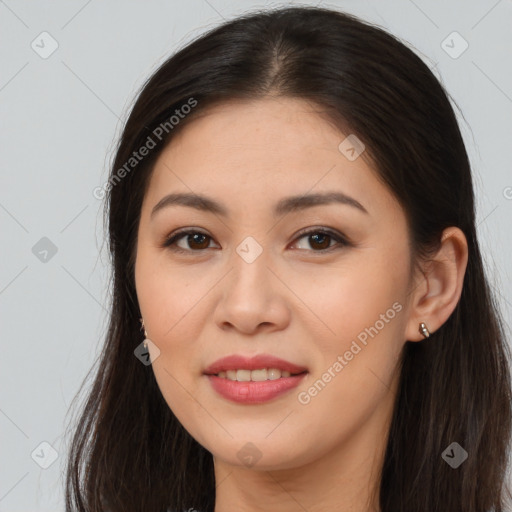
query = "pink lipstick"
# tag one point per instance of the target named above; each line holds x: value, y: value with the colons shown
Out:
x: 253, y: 380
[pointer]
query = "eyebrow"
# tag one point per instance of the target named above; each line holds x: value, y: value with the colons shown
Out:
x: 284, y: 206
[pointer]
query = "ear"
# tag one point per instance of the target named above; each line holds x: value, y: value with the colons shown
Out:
x: 436, y: 293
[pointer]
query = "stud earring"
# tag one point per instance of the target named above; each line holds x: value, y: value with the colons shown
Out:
x: 424, y: 330
x: 145, y: 334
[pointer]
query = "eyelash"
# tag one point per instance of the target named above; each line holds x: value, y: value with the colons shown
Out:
x: 170, y: 241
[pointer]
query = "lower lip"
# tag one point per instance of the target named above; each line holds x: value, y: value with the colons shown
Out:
x: 253, y: 392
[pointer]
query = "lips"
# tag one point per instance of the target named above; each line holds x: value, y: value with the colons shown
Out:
x: 257, y: 362
x: 282, y: 377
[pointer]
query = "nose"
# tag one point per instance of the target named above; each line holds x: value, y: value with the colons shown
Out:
x: 252, y: 298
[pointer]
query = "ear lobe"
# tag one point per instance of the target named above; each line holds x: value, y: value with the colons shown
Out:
x: 439, y: 290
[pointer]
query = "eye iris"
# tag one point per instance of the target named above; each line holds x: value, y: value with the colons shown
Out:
x: 195, y: 236
x: 323, y: 237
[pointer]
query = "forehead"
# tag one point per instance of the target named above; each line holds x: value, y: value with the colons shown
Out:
x: 247, y: 153
x: 278, y: 126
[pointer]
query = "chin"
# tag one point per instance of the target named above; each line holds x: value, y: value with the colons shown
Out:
x: 255, y: 453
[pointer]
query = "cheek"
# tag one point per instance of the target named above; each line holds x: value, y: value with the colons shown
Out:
x: 356, y: 364
x: 170, y: 302
x: 345, y: 301
x: 361, y: 313
x: 174, y: 312
x: 169, y: 296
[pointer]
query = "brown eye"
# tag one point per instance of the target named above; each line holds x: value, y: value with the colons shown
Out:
x: 194, y: 240
x: 320, y: 240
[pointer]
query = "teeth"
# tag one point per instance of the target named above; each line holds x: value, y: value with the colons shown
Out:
x: 259, y: 375
x: 254, y: 375
x: 274, y: 374
x: 243, y: 375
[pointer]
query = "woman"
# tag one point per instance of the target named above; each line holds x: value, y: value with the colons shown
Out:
x: 291, y: 217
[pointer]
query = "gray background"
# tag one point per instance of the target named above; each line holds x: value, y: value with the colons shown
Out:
x: 60, y: 118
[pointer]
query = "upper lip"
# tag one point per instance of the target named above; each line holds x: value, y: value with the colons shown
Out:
x: 239, y: 362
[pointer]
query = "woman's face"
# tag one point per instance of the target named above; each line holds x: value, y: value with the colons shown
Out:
x: 249, y: 282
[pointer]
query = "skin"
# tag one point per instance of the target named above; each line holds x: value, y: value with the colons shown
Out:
x: 294, y: 301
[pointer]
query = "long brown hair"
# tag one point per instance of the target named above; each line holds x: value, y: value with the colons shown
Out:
x: 129, y: 452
